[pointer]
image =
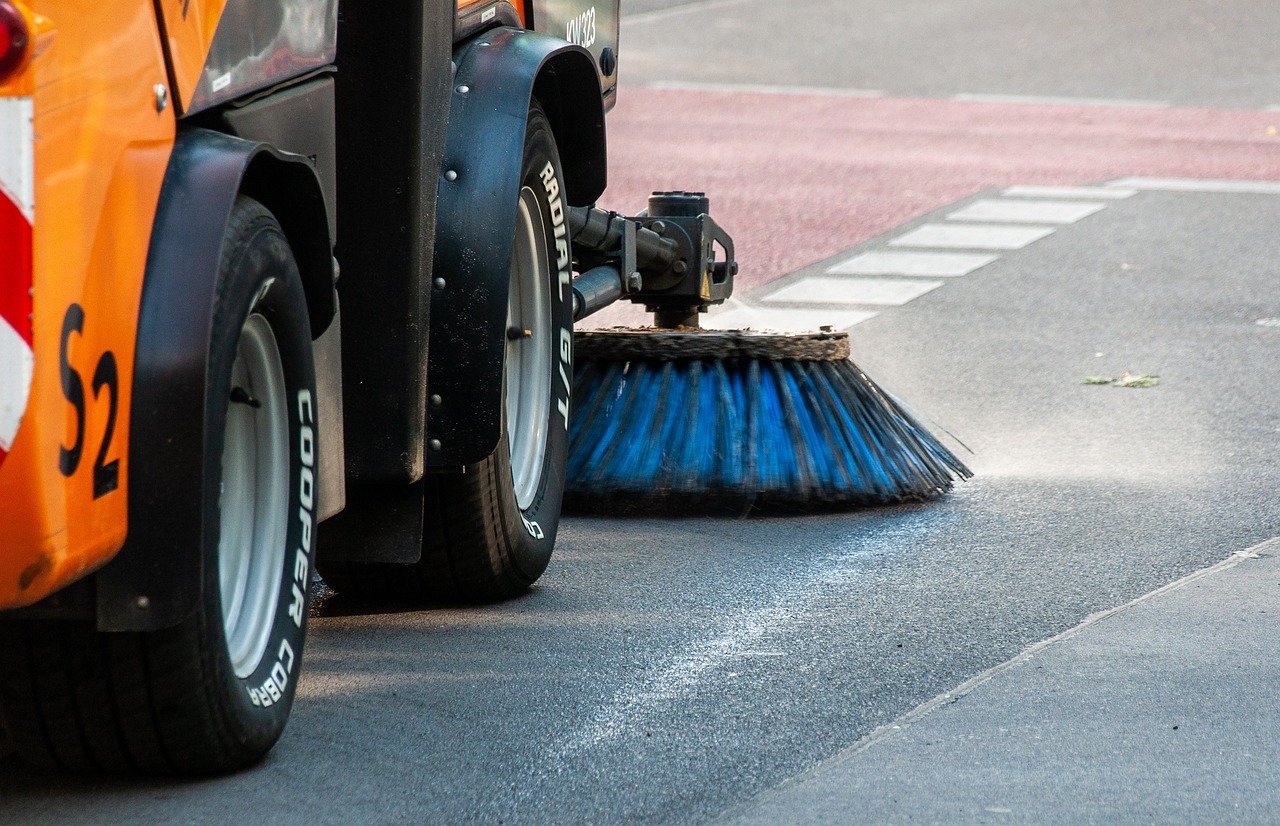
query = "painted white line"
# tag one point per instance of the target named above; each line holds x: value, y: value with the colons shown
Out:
x: 757, y: 89
x: 1198, y: 185
x: 1061, y: 101
x: 829, y: 289
x: 972, y: 236
x: 920, y: 712
x: 891, y: 262
x: 1096, y: 192
x: 735, y: 315
x: 1272, y: 108
x: 1268, y: 322
x: 676, y: 11
x: 1021, y: 211
x: 740, y: 628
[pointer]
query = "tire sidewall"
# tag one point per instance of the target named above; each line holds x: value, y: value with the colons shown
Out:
x: 258, y: 274
x: 537, y: 525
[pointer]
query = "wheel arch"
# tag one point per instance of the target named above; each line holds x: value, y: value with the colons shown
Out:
x: 498, y: 75
x: 290, y: 189
x: 155, y: 580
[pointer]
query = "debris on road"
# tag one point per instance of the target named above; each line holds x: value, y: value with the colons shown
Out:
x: 1126, y: 380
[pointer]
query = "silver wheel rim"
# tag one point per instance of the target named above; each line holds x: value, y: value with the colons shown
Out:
x: 528, y: 354
x: 254, y: 498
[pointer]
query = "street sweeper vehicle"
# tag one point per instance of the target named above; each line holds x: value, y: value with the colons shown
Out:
x: 266, y: 264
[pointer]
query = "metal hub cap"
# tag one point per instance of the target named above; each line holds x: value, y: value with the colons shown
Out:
x: 527, y: 375
x: 254, y: 500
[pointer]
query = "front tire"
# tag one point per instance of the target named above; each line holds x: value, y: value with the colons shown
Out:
x: 490, y: 530
x: 212, y: 694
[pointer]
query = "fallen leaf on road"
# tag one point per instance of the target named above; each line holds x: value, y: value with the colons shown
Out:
x: 1126, y: 380
x: 1130, y: 380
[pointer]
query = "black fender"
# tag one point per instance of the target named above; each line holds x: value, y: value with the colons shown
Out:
x: 155, y: 580
x: 497, y: 76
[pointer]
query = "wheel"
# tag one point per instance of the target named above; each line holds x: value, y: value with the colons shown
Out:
x: 213, y: 694
x: 490, y: 530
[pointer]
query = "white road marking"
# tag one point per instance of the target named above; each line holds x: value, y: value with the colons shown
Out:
x: 676, y: 11
x: 828, y: 290
x: 1096, y: 192
x: 947, y: 698
x: 1026, y: 212
x: 1198, y: 185
x: 737, y: 315
x: 747, y: 628
x: 766, y: 89
x: 1019, y: 220
x: 1061, y: 101
x: 973, y: 236
x: 890, y: 262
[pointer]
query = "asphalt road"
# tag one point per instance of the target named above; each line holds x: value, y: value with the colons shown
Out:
x: 1203, y: 53
x: 674, y: 670
x: 667, y: 671
x: 1161, y: 711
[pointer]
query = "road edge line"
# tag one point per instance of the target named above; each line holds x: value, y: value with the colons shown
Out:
x: 920, y: 712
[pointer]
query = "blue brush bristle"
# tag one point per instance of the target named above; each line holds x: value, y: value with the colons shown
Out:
x: 788, y: 432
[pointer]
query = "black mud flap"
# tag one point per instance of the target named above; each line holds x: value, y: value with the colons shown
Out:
x: 498, y: 75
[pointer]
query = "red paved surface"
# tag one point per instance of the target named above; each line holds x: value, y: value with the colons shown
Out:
x: 797, y: 178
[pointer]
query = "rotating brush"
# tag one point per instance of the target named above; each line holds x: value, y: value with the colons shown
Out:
x: 675, y: 415
x: 776, y: 420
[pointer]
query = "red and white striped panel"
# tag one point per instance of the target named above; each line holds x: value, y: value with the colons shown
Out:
x: 17, y: 212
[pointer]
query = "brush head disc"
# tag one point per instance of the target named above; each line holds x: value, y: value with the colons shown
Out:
x: 657, y: 344
x: 672, y: 420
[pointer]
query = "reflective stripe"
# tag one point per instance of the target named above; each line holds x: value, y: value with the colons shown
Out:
x: 17, y: 210
x: 17, y: 150
x: 16, y: 366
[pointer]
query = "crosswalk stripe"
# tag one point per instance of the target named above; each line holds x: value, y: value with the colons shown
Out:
x: 737, y: 315
x: 828, y: 289
x: 910, y: 262
x: 972, y: 236
x: 1100, y: 193
x: 1021, y: 211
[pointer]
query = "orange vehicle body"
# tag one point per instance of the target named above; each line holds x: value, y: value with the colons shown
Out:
x: 466, y: 5
x: 190, y: 27
x: 97, y: 107
x: 101, y: 146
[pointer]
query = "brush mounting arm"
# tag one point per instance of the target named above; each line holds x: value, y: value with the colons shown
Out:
x: 612, y: 243
x: 606, y: 233
x: 668, y: 253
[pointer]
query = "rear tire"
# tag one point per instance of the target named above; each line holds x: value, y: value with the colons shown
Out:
x: 213, y: 694
x: 490, y: 530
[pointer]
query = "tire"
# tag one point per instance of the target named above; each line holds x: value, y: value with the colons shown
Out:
x: 211, y: 695
x: 490, y: 530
